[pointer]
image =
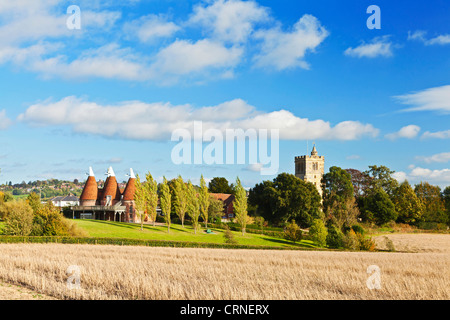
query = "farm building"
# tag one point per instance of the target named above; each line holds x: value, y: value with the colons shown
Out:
x: 109, y: 203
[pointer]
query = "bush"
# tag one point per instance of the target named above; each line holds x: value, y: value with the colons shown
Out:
x: 318, y: 232
x: 366, y: 244
x: 351, y: 241
x: 19, y: 218
x: 228, y: 235
x: 358, y: 229
x: 293, y: 232
x: 335, y: 237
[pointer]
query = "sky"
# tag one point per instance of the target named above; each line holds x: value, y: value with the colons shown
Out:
x: 113, y: 89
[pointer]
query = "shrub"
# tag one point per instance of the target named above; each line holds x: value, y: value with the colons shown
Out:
x: 335, y: 237
x: 318, y: 232
x: 19, y: 218
x: 293, y: 232
x: 366, y: 244
x: 228, y: 235
x: 351, y: 241
x: 358, y: 229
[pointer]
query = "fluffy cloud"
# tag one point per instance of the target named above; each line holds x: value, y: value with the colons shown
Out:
x: 157, y: 121
x: 34, y: 36
x: 282, y: 50
x: 440, y: 158
x: 420, y: 36
x: 408, y: 132
x: 378, y: 47
x: 151, y: 27
x: 185, y: 57
x: 432, y: 99
x: 436, y: 135
x: 417, y: 174
x: 230, y: 21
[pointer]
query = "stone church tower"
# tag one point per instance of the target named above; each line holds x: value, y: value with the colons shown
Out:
x: 311, y: 168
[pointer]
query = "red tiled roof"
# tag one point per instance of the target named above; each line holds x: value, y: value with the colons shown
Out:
x: 90, y: 190
x: 128, y: 194
x: 225, y: 197
x: 111, y: 188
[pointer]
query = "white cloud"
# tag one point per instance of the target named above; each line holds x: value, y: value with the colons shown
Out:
x: 432, y: 99
x: 184, y: 57
x: 417, y: 174
x: 419, y: 35
x: 109, y: 61
x: 151, y: 27
x: 5, y: 122
x: 229, y: 20
x: 282, y: 50
x: 442, y: 39
x: 378, y: 47
x: 353, y: 157
x: 440, y: 158
x: 436, y: 135
x: 408, y: 132
x: 400, y: 176
x: 157, y: 121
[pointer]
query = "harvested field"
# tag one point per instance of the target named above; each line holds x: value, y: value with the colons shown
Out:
x: 115, y: 272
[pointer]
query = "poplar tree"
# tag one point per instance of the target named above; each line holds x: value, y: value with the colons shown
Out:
x: 151, y: 190
x: 140, y: 200
x: 240, y: 205
x: 166, y: 203
x: 180, y: 197
x: 193, y: 208
x: 204, y: 201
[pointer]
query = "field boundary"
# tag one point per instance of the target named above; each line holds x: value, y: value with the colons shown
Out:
x: 140, y: 242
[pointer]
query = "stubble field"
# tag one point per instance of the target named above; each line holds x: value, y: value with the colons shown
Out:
x: 115, y: 272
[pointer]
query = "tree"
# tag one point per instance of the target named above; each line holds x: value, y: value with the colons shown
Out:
x: 19, y: 218
x: 285, y: 198
x: 151, y: 194
x: 339, y: 201
x: 446, y: 197
x: 381, y: 177
x: 165, y: 202
x: 179, y: 198
x: 293, y: 232
x: 318, y: 232
x: 433, y: 201
x: 34, y: 201
x: 240, y: 205
x: 408, y: 206
x: 220, y: 185
x: 204, y: 200
x: 335, y: 237
x: 48, y: 221
x: 140, y: 200
x: 377, y: 207
x: 360, y: 181
x: 193, y: 208
x: 215, y: 209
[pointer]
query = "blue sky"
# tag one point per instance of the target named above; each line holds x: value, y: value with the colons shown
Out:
x: 112, y: 92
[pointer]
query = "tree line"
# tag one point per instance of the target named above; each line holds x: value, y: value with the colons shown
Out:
x: 182, y: 199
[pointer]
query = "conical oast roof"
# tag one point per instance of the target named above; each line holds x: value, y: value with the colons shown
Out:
x: 90, y: 190
x: 111, y: 188
x: 130, y: 189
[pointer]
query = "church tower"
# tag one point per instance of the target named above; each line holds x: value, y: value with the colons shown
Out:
x: 311, y: 168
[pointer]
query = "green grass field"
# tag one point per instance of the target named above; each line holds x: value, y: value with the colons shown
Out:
x: 109, y: 229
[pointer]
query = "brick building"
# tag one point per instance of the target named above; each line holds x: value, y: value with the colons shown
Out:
x: 110, y: 203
